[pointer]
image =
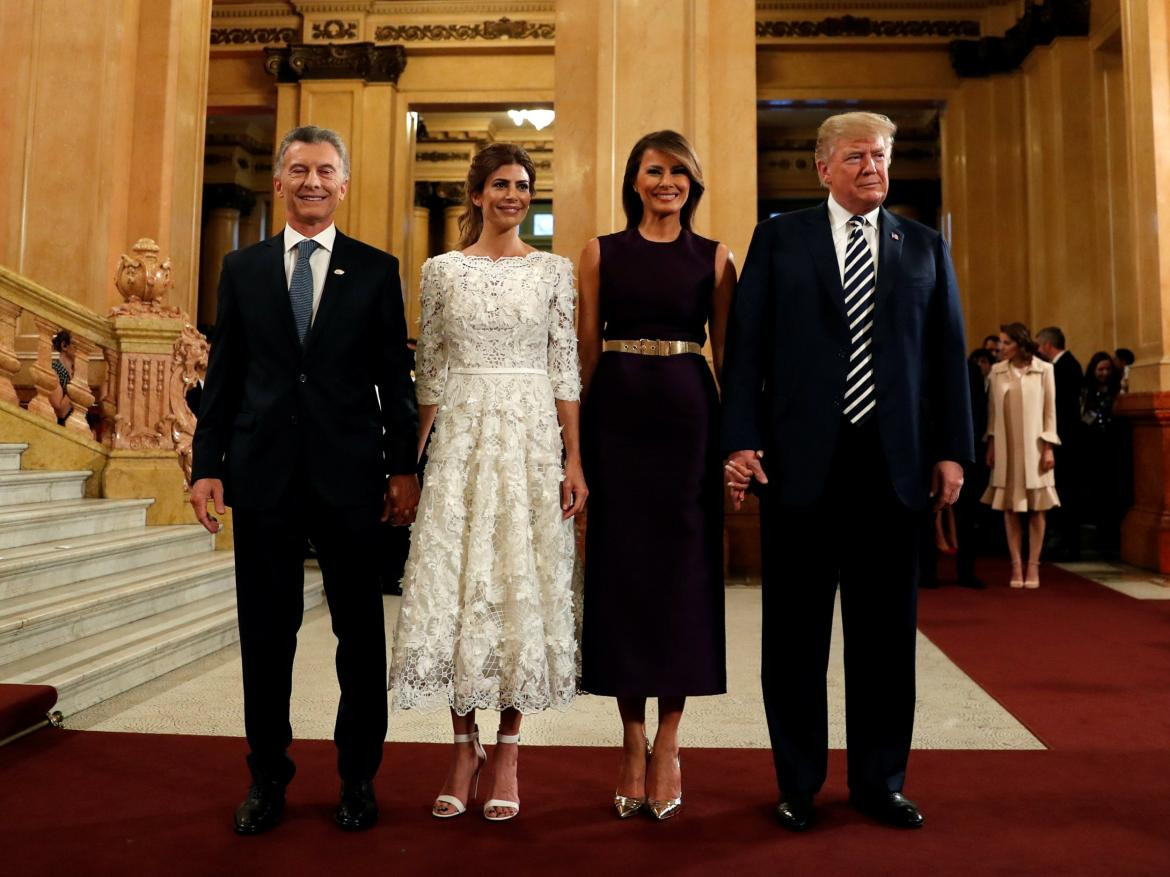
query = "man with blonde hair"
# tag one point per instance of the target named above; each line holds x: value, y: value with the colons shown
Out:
x: 850, y: 431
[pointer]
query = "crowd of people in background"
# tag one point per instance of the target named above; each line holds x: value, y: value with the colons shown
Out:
x: 1069, y: 476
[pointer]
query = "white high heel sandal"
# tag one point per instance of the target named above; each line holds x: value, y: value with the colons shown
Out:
x: 500, y: 803
x: 451, y: 800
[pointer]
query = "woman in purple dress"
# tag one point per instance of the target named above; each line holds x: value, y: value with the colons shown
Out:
x: 654, y: 542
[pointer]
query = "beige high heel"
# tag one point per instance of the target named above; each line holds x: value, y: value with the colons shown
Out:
x: 663, y: 810
x: 1017, y: 580
x: 1032, y: 581
x: 500, y: 803
x: 457, y: 805
x: 627, y: 805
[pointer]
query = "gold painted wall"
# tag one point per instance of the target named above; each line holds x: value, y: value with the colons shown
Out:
x: 105, y: 103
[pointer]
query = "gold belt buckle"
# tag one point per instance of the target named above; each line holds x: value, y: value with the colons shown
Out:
x: 648, y: 347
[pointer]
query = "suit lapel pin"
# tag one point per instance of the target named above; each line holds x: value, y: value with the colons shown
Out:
x: 338, y: 270
x: 895, y: 236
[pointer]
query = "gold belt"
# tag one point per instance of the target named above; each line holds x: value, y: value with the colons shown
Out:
x: 652, y: 347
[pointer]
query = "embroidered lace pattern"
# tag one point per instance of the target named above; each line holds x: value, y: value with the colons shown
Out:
x: 491, y: 594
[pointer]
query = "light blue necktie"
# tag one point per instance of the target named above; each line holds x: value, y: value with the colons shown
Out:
x: 300, y: 289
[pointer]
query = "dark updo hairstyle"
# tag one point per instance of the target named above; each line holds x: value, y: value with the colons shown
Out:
x: 62, y: 340
x: 1019, y: 333
x: 486, y: 162
x: 673, y: 144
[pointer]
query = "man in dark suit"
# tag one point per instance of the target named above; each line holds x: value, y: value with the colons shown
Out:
x: 308, y: 429
x: 1064, y: 521
x: 851, y: 430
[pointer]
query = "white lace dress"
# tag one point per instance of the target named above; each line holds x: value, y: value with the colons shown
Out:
x: 491, y: 599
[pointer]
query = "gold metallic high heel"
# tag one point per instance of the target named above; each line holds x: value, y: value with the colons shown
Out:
x: 627, y: 805
x: 663, y: 810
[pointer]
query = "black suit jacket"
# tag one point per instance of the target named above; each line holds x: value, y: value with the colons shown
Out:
x: 1070, y: 379
x: 788, y: 355
x: 274, y: 411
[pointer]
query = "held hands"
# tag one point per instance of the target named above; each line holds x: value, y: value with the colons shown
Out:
x: 945, y: 483
x: 202, y: 491
x: 573, y: 490
x: 401, y: 503
x: 741, y: 467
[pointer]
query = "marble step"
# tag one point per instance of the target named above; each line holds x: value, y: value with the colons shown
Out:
x: 34, y: 485
x: 42, y: 620
x: 56, y: 521
x: 30, y: 568
x: 10, y: 456
x: 89, y: 670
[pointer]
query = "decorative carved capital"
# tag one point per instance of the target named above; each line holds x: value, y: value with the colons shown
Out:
x: 228, y: 195
x: 143, y: 281
x: 261, y: 36
x: 851, y: 26
x: 335, y: 29
x: 1040, y: 24
x: 364, y: 61
x: 503, y: 29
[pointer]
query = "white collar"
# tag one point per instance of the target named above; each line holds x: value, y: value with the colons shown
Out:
x: 325, y: 237
x: 839, y: 216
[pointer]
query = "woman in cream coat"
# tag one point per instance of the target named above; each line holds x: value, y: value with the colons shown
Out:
x: 1021, y: 423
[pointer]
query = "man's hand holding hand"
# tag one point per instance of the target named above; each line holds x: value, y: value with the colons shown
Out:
x: 201, y: 491
x: 741, y: 467
x: 401, y: 504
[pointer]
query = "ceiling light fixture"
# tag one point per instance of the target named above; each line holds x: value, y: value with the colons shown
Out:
x: 538, y: 119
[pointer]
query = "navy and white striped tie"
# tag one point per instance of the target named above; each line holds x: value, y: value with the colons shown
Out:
x: 859, y: 285
x: 300, y: 288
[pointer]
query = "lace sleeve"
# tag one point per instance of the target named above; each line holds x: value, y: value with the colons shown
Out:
x: 430, y: 368
x: 563, y: 366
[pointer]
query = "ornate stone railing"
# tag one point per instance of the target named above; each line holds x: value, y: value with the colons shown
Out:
x: 132, y: 367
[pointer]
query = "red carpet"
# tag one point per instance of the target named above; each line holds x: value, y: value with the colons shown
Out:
x: 1088, y: 670
x: 22, y: 706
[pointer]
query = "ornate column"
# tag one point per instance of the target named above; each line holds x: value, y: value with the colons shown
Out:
x: 451, y: 227
x: 223, y: 204
x: 9, y: 363
x: 351, y: 87
x: 1145, y: 534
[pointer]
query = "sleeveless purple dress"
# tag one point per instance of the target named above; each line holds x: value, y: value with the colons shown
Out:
x: 653, y: 623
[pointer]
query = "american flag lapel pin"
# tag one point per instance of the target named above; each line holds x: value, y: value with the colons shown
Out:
x: 338, y: 270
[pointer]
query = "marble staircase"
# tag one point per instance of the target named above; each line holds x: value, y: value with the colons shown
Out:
x: 95, y: 602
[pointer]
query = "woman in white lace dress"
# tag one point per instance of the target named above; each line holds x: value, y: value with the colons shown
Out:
x: 489, y: 608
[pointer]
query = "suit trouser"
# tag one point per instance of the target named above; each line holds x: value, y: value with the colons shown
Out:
x: 270, y: 551
x: 860, y: 535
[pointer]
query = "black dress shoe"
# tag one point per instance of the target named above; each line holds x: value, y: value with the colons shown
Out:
x: 972, y: 582
x: 891, y: 808
x: 795, y: 812
x: 358, y: 809
x: 262, y: 808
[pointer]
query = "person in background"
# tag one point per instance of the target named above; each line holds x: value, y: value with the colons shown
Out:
x: 1104, y: 461
x: 1065, y: 524
x: 1123, y: 359
x: 1021, y: 432
x: 63, y: 367
x: 991, y: 345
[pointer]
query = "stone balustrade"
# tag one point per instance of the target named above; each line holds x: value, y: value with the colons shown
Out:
x: 132, y: 367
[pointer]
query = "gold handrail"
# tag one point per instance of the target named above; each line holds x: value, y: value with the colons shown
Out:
x: 56, y: 308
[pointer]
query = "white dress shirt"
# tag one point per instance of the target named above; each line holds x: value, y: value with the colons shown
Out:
x: 839, y: 220
x: 318, y: 261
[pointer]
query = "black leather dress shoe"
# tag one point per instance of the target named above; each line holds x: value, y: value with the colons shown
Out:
x: 358, y: 809
x: 262, y: 808
x: 892, y: 808
x: 972, y: 582
x: 795, y: 812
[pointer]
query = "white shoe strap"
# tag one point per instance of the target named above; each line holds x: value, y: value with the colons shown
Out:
x: 453, y: 801
x: 507, y: 738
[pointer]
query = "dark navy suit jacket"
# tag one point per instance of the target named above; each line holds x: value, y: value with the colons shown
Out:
x: 274, y: 411
x: 787, y: 356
